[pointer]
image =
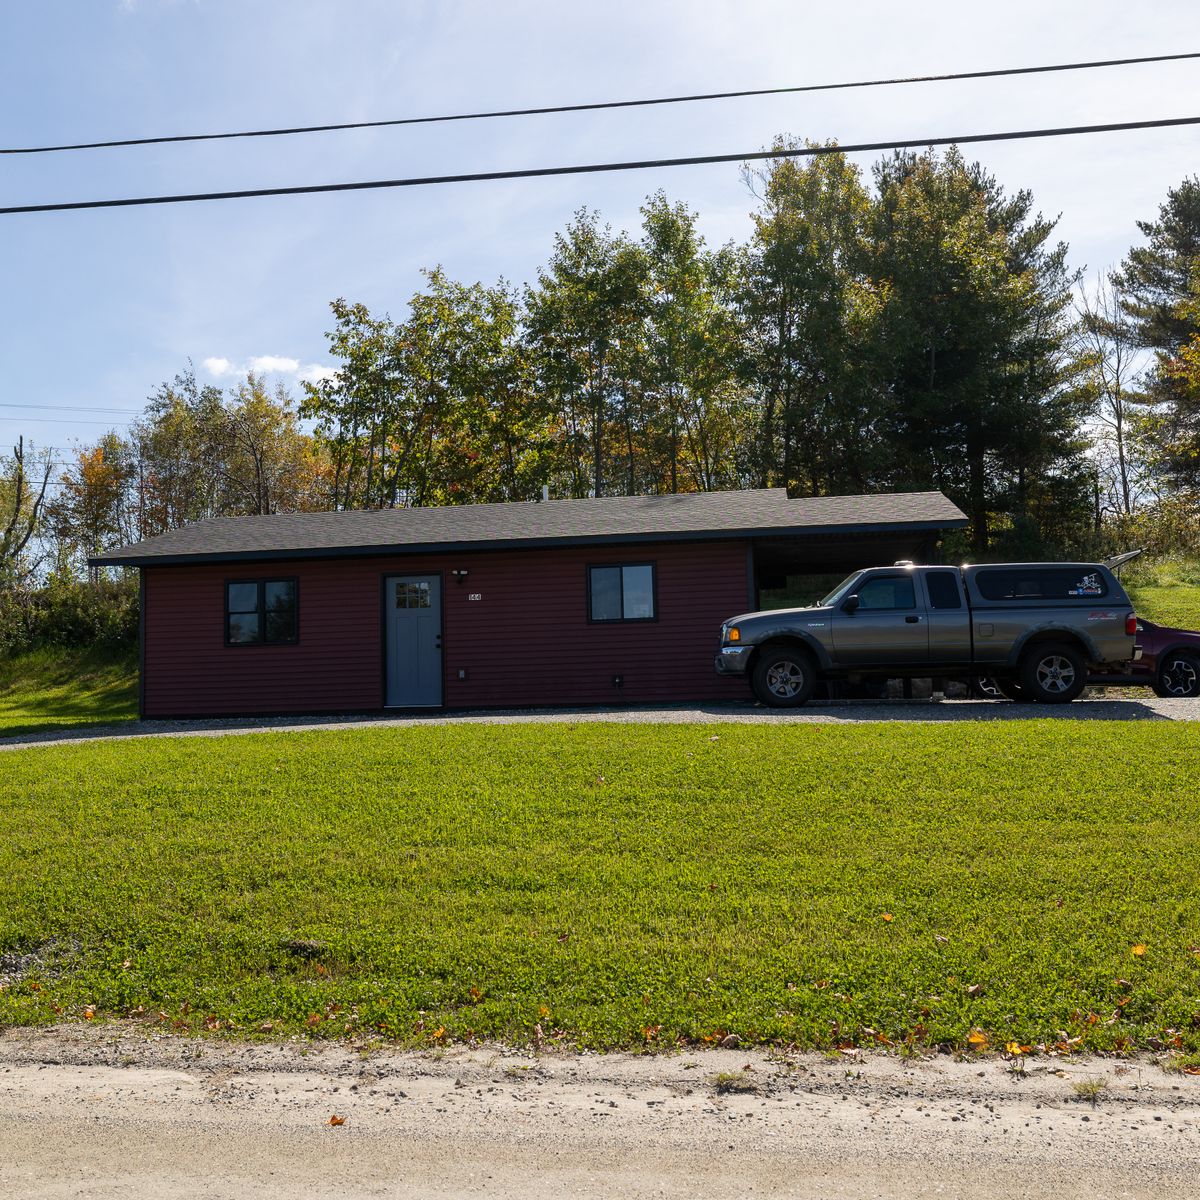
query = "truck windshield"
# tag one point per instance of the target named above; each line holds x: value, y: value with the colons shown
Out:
x: 833, y: 596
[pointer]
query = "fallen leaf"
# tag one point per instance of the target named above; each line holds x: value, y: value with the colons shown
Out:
x: 126, y: 965
x: 475, y: 994
x: 543, y: 1011
x: 887, y: 916
x: 88, y: 1013
x: 1138, y: 951
x: 975, y: 989
x: 1191, y: 1070
x: 941, y: 939
x: 977, y: 1039
x: 313, y: 1020
x: 266, y: 1027
x: 336, y: 1120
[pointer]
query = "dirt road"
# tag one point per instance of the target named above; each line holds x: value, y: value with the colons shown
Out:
x: 102, y: 1113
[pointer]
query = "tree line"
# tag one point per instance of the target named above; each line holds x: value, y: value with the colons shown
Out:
x: 917, y: 329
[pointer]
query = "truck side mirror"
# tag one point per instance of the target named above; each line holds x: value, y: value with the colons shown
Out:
x: 850, y: 604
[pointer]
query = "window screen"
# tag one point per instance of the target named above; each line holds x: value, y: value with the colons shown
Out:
x: 621, y: 593
x: 261, y: 611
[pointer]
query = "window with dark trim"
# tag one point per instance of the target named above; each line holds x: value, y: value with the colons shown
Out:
x: 621, y: 592
x: 262, y: 612
x: 1040, y: 583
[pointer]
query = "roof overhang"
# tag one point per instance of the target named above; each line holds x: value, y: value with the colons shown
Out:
x: 548, y: 543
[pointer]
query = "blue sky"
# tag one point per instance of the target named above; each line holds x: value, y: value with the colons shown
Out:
x: 97, y: 308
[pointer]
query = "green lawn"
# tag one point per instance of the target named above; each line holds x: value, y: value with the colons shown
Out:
x: 1167, y: 592
x: 56, y: 688
x: 617, y: 885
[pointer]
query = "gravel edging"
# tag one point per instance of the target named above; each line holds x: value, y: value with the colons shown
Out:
x: 838, y: 713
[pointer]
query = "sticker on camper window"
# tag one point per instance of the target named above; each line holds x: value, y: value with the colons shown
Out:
x: 1089, y: 585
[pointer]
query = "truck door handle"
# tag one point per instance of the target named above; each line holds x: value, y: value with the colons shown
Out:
x: 911, y: 620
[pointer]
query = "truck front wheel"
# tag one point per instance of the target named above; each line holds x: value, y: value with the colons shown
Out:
x: 1053, y: 673
x: 783, y: 677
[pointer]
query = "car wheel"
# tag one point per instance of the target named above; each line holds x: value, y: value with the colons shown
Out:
x: 783, y: 677
x: 985, y: 687
x: 1053, y: 673
x: 1178, y: 676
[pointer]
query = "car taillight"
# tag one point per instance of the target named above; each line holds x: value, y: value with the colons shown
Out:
x: 1131, y: 624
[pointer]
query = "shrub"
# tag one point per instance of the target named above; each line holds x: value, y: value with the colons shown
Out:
x: 69, y: 612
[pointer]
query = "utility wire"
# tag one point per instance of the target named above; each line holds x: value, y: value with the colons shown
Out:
x: 608, y: 104
x: 128, y: 412
x: 62, y: 420
x: 594, y: 168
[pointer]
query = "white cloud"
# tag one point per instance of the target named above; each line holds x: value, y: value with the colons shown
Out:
x: 272, y: 363
x: 315, y: 373
x: 269, y: 364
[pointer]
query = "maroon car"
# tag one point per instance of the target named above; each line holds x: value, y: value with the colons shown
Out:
x: 1170, y: 661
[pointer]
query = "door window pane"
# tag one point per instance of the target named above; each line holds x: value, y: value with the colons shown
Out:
x: 887, y: 592
x: 606, y: 593
x: 637, y: 591
x: 413, y: 595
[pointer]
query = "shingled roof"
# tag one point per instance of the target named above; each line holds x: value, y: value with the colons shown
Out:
x: 609, y: 520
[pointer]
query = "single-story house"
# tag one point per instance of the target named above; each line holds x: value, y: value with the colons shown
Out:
x: 561, y: 602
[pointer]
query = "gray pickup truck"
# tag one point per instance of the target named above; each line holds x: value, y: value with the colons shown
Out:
x: 1039, y: 630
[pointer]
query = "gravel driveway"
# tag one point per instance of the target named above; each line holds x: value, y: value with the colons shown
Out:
x: 1146, y: 708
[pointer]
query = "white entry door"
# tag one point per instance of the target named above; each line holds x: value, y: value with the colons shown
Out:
x: 413, y: 614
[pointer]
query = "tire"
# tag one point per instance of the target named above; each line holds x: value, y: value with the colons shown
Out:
x: 1178, y: 676
x: 1010, y: 689
x: 783, y: 677
x: 1053, y: 673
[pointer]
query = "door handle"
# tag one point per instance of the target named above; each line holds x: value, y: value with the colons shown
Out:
x: 911, y: 620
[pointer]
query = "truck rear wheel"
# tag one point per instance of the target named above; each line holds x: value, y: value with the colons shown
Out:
x: 1053, y: 673
x: 783, y: 677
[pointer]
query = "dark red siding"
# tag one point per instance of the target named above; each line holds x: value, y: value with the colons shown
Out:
x: 526, y: 641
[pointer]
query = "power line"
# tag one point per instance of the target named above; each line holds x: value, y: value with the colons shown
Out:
x: 594, y: 168
x: 63, y: 420
x: 128, y: 412
x: 607, y: 104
